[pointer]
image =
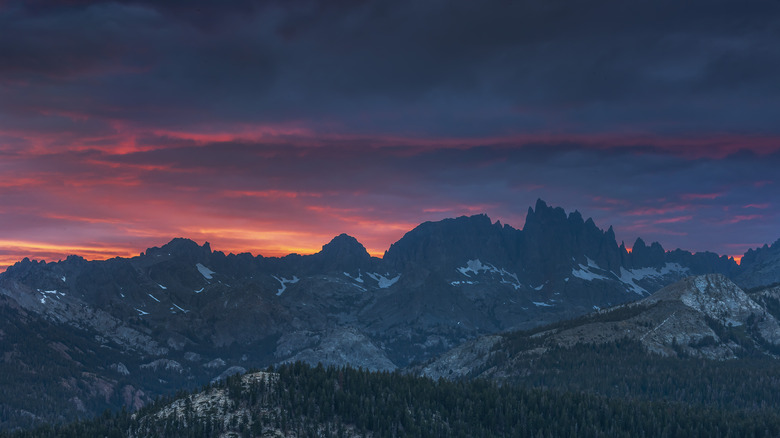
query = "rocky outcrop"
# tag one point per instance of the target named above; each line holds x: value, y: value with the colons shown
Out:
x: 704, y: 316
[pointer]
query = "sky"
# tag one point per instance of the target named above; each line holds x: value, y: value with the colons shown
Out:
x: 270, y: 127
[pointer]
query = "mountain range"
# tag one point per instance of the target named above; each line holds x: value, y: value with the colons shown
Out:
x: 80, y: 336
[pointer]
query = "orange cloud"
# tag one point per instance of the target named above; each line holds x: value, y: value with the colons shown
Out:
x: 51, y: 252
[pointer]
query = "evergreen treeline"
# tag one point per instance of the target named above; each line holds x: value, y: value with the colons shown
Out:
x: 343, y: 402
x: 625, y: 370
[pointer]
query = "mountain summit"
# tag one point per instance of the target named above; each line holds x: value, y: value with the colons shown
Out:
x: 344, y: 252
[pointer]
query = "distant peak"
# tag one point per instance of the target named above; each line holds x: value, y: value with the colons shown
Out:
x: 342, y: 245
x: 342, y: 239
x: 181, y: 246
x: 481, y: 218
x: 544, y: 214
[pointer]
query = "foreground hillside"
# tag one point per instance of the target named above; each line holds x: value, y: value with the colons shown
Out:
x: 300, y: 401
x: 702, y: 341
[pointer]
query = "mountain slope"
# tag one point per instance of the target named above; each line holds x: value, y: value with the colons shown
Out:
x: 706, y: 317
x: 299, y: 401
x: 182, y: 314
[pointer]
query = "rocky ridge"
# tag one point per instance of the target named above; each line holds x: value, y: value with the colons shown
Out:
x: 440, y: 285
x: 705, y: 316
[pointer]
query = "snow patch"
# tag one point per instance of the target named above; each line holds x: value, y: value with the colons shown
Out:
x: 161, y: 286
x: 183, y: 311
x: 476, y: 266
x: 384, y: 282
x: 473, y: 266
x: 586, y: 272
x: 455, y: 283
x: 63, y: 279
x: 538, y: 304
x: 284, y: 281
x: 359, y: 277
x: 206, y: 272
x: 199, y: 290
x: 141, y: 312
x: 630, y: 277
x: 164, y: 364
x: 153, y: 297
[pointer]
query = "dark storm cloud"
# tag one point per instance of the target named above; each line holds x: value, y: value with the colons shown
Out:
x: 431, y: 68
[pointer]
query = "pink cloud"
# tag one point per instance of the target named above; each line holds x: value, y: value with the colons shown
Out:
x: 761, y: 206
x: 673, y: 220
x: 657, y: 211
x: 698, y: 196
x: 741, y: 218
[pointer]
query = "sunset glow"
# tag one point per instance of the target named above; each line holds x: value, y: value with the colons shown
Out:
x: 257, y: 128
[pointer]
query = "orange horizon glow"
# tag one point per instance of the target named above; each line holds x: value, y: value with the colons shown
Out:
x: 121, y: 205
x: 226, y: 243
x: 38, y: 251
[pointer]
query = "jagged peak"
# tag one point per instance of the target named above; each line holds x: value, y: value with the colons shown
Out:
x: 543, y: 213
x: 751, y: 255
x: 575, y: 217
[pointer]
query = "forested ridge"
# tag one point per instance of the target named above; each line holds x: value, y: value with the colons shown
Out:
x: 309, y: 401
x: 625, y: 370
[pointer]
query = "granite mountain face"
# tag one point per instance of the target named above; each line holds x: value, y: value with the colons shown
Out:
x: 706, y: 316
x: 182, y: 314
